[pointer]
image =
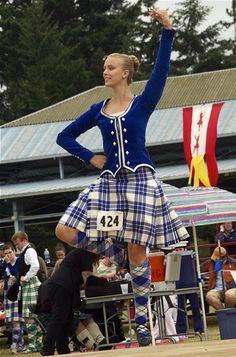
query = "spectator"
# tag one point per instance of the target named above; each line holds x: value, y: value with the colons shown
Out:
x: 12, y: 315
x: 89, y: 334
x: 57, y: 265
x: 60, y: 251
x: 106, y: 269
x: 2, y: 268
x: 99, y: 287
x: 227, y: 234
x: 29, y: 267
x: 221, y: 286
x: 2, y: 262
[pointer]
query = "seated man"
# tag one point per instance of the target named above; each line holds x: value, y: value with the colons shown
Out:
x: 221, y: 287
x: 96, y: 286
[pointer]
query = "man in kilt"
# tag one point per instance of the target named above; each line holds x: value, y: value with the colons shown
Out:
x: 126, y: 203
x: 30, y: 283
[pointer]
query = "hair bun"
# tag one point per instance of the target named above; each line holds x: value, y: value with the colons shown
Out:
x: 135, y: 61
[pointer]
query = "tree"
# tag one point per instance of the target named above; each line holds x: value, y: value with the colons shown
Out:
x: 9, y: 64
x: 53, y: 49
x: 97, y: 28
x: 232, y: 13
x: 198, y: 49
x: 222, y: 55
x: 57, y: 48
x: 46, y: 69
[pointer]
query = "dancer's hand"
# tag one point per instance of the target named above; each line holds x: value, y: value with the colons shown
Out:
x: 161, y: 16
x: 98, y: 161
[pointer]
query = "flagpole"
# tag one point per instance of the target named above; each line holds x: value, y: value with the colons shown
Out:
x: 199, y: 281
x: 222, y: 268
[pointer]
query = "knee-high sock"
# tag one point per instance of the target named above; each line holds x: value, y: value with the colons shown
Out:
x: 141, y: 288
x: 105, y: 247
x: 15, y: 335
x: 86, y: 339
x: 95, y: 331
x: 39, y: 337
x: 34, y: 336
x: 21, y: 341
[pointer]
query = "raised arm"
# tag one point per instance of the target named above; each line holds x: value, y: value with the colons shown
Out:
x: 161, y: 16
x: 156, y: 83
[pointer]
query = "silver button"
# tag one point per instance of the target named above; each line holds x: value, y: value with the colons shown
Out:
x: 114, y: 143
x: 126, y: 141
x: 111, y: 121
x: 125, y: 130
x: 128, y: 162
x: 127, y: 152
x: 123, y: 119
x: 112, y: 133
x: 117, y: 165
x: 116, y: 154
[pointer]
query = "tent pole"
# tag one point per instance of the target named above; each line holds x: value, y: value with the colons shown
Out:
x: 199, y: 281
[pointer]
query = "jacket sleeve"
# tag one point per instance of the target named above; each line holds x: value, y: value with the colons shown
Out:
x: 156, y: 83
x: 31, y: 258
x: 67, y: 137
x: 219, y: 236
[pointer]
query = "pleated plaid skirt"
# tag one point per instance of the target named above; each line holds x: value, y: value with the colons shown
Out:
x: 11, y: 309
x: 148, y: 218
x: 29, y: 295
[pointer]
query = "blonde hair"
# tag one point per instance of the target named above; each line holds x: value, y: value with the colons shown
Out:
x: 130, y: 62
x: 19, y: 235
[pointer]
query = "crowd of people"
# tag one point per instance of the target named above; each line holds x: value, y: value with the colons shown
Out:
x: 58, y: 294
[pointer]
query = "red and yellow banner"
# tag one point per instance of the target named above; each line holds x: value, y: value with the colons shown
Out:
x: 199, y: 134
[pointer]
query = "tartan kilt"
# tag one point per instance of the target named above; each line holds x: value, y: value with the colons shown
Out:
x: 29, y: 295
x: 11, y: 309
x: 149, y: 218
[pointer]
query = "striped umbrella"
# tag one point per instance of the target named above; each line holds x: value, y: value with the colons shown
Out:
x: 183, y: 203
x: 218, y: 206
x: 221, y: 205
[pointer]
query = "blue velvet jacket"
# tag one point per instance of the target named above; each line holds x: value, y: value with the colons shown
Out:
x: 124, y: 135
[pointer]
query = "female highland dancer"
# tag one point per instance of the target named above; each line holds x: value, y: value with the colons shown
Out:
x: 127, y: 202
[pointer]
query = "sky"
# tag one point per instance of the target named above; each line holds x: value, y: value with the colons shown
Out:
x: 217, y: 13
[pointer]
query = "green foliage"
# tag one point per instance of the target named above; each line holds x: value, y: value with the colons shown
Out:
x: 199, y: 47
x: 53, y: 49
x: 44, y: 65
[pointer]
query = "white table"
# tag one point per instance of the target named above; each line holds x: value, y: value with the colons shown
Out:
x: 90, y: 301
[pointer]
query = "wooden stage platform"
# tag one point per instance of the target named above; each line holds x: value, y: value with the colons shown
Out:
x: 218, y: 348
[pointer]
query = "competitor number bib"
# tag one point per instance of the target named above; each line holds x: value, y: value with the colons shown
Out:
x: 109, y: 221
